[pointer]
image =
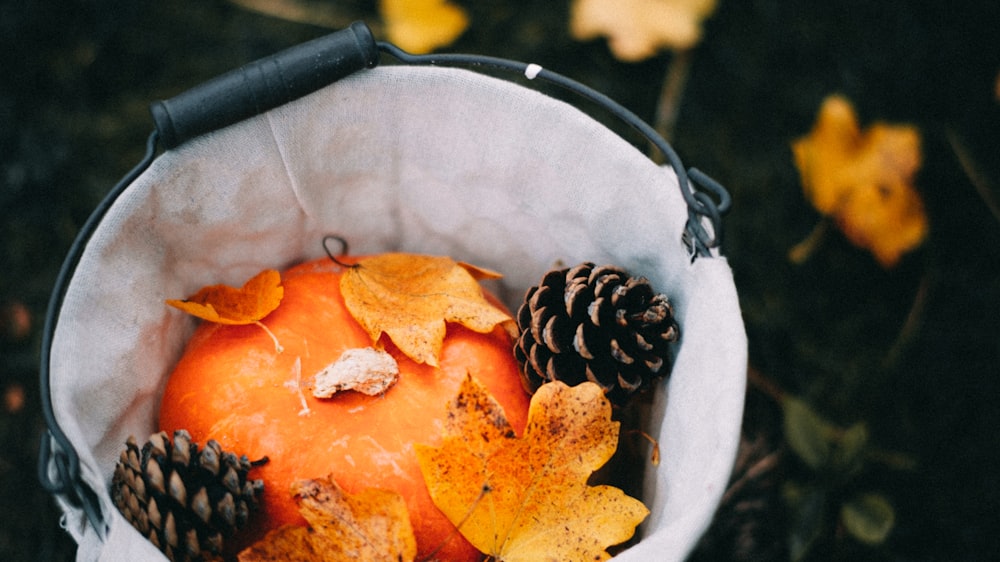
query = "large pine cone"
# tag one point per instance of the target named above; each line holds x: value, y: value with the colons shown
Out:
x: 185, y: 501
x: 597, y: 324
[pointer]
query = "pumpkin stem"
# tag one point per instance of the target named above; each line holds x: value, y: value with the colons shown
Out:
x: 343, y: 250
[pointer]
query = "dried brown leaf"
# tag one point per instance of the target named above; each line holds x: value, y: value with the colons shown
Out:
x: 371, y: 525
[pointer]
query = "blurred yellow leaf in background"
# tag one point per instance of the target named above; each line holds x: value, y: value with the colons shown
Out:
x: 421, y: 26
x: 864, y: 180
x: 638, y: 29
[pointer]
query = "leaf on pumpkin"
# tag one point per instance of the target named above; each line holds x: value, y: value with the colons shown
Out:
x: 527, y: 499
x: 366, y: 370
x: 420, y: 26
x: 637, y: 29
x: 864, y: 180
x: 409, y: 297
x: 223, y: 304
x: 371, y: 525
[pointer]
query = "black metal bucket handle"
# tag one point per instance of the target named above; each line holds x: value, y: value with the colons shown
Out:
x: 269, y: 83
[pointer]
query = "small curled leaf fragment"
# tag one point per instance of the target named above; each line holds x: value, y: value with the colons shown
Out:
x: 233, y: 306
x: 223, y: 304
x: 366, y: 370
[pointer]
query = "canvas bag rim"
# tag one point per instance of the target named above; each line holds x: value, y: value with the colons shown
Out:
x: 722, y: 260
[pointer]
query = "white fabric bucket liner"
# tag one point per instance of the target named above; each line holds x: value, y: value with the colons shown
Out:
x: 414, y: 159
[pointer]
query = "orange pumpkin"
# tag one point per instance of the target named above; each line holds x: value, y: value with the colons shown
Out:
x: 231, y: 385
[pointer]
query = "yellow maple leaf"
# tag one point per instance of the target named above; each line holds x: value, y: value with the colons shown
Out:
x: 370, y: 525
x: 421, y: 26
x: 409, y: 297
x: 527, y: 499
x: 864, y: 180
x: 638, y: 29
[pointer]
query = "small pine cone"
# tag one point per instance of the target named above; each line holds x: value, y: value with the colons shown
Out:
x: 185, y: 501
x: 597, y: 324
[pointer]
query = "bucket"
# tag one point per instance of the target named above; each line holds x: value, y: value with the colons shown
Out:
x: 251, y: 170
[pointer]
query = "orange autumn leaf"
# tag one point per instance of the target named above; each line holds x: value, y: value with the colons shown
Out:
x: 864, y: 180
x: 527, y: 499
x: 409, y: 297
x: 420, y: 26
x: 228, y: 305
x: 223, y: 304
x: 371, y: 525
x: 637, y: 29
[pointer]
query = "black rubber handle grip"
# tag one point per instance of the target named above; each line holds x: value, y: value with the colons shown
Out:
x: 264, y: 84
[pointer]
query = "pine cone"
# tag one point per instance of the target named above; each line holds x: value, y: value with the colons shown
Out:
x: 185, y: 501
x: 597, y: 324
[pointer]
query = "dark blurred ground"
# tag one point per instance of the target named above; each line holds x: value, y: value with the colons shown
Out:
x: 78, y: 76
